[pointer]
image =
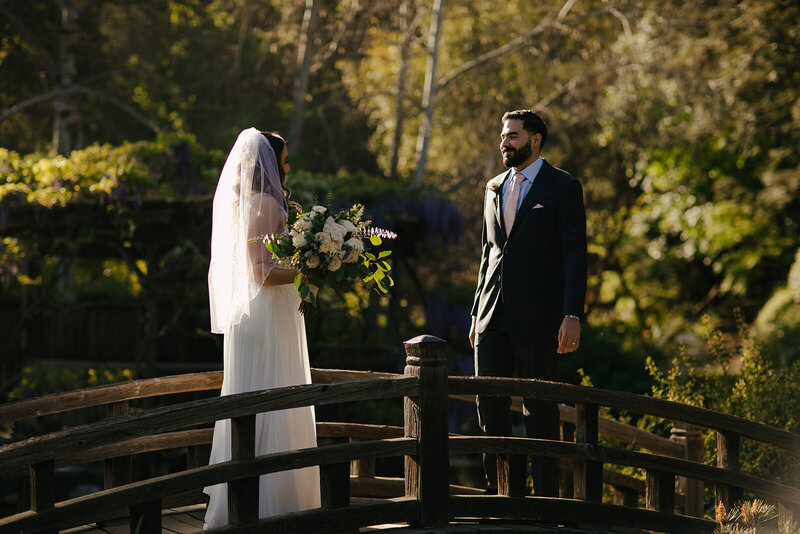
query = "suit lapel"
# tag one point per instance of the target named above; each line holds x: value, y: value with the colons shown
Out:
x: 541, y: 183
x: 498, y: 194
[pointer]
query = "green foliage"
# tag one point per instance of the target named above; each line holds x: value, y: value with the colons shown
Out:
x: 740, y: 381
x: 777, y: 326
x: 170, y: 167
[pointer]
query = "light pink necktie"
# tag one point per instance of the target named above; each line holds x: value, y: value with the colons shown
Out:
x: 510, y: 209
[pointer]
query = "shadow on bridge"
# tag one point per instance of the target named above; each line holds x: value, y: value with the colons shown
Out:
x: 353, y: 497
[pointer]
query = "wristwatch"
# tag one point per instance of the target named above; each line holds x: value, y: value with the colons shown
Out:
x: 573, y: 317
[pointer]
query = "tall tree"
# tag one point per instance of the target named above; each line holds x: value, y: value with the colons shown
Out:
x: 429, y: 94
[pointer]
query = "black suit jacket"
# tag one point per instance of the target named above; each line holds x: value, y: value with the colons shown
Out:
x: 539, y: 272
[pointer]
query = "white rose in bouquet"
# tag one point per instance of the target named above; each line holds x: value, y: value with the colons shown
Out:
x: 302, y: 225
x: 326, y: 245
x: 335, y: 264
x: 335, y: 230
x: 348, y: 226
x: 319, y: 209
x: 312, y: 260
x: 299, y: 239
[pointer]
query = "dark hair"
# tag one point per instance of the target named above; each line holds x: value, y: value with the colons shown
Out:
x: 531, y: 122
x: 278, y: 144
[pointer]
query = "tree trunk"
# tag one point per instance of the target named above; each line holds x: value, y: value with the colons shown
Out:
x: 301, y: 82
x: 64, y: 110
x: 402, y: 77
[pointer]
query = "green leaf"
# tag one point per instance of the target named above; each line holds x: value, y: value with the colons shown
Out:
x: 380, y: 287
x: 385, y: 266
x: 375, y: 240
x: 384, y: 253
x: 391, y: 281
x: 298, y: 280
x: 370, y: 256
x: 368, y: 277
x: 339, y: 275
x: 304, y: 291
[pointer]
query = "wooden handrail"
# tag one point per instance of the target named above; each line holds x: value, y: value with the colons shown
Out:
x: 610, y: 427
x: 579, y: 451
x: 81, y: 510
x: 147, y: 387
x: 212, y: 380
x: 560, y: 392
x: 199, y: 412
x: 106, y: 394
x: 202, y: 436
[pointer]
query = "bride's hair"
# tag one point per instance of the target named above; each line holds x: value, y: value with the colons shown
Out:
x: 278, y: 143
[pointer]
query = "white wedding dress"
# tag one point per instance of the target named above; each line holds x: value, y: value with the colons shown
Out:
x: 267, y: 350
x: 265, y: 337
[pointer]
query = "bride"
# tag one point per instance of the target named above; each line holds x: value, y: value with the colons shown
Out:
x: 254, y: 304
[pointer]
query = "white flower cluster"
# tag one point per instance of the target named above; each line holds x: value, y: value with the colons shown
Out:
x: 336, y: 243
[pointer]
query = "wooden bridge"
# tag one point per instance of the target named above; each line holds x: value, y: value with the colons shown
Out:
x: 353, y: 498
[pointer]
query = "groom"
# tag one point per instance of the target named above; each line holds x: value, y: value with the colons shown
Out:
x: 531, y: 285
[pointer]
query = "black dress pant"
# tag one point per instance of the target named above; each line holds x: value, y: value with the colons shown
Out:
x: 501, y: 353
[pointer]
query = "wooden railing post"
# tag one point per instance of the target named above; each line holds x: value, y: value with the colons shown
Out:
x: 42, y: 476
x: 243, y: 494
x: 691, y: 437
x: 589, y: 474
x: 364, y: 467
x: 427, y: 473
x: 660, y: 491
x: 566, y: 477
x: 117, y: 471
x: 335, y: 484
x: 511, y: 475
x: 728, y: 458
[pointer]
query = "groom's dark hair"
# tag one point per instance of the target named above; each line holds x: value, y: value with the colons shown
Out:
x: 531, y: 122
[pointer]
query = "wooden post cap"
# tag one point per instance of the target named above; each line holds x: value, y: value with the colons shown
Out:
x: 425, y: 350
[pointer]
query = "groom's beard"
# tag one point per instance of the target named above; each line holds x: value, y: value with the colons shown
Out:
x: 513, y: 157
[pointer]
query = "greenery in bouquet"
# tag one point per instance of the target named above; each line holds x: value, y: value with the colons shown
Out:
x: 327, y: 246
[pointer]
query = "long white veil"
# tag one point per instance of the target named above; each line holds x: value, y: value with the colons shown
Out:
x: 249, y: 202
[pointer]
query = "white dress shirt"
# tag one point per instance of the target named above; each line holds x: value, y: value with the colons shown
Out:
x: 530, y: 173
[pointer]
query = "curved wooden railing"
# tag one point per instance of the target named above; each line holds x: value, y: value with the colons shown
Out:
x: 424, y: 497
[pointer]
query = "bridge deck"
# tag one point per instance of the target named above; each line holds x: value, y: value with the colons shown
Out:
x: 189, y: 520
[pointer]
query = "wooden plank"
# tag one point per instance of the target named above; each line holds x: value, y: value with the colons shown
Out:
x: 581, y: 512
x: 202, y: 411
x: 83, y: 509
x: 323, y: 376
x: 426, y: 419
x: 728, y: 458
x: 608, y: 427
x: 158, y: 442
x: 507, y: 445
x: 335, y: 485
x: 109, y: 393
x: 357, y: 431
x: 589, y: 473
x: 117, y: 469
x: 660, y: 491
x: 560, y: 392
x: 331, y: 520
x: 243, y: 493
x: 512, y: 475
x: 43, y: 489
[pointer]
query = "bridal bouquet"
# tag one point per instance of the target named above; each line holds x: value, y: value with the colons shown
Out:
x: 325, y: 245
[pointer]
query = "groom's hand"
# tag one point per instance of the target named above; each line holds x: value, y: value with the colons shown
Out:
x: 472, y: 333
x: 569, y: 335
